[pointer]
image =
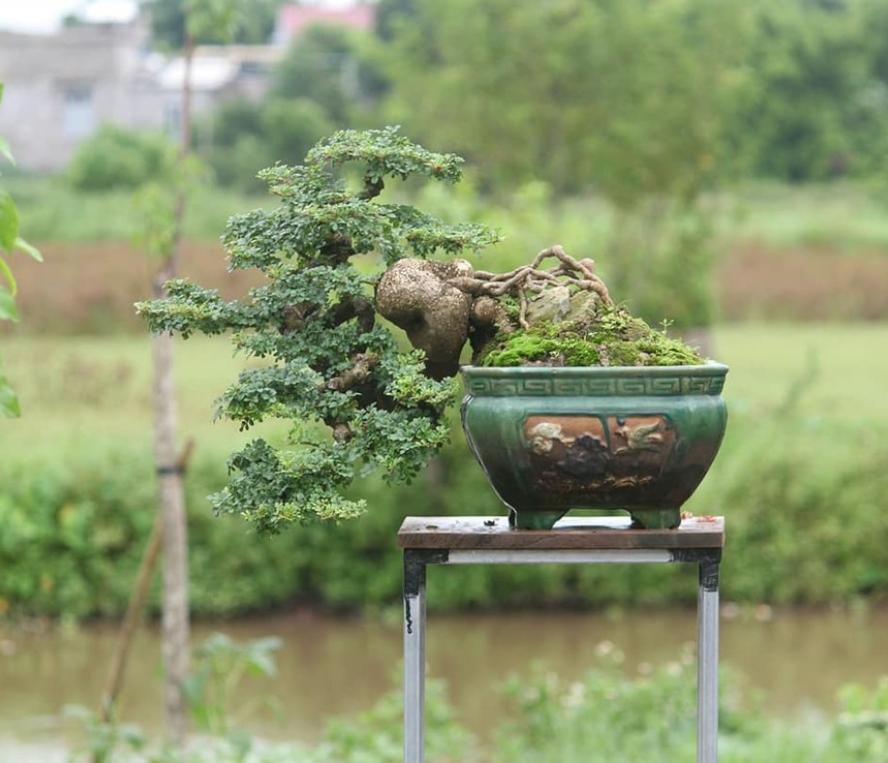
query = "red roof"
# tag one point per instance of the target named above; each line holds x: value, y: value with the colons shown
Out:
x: 292, y: 20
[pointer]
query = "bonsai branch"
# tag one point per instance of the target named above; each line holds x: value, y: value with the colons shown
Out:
x: 359, y: 308
x: 338, y: 247
x: 364, y: 363
x: 372, y: 187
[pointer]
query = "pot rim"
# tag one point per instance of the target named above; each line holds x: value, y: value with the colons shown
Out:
x: 710, y: 368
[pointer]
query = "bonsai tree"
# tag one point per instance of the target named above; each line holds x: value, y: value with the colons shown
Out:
x: 355, y: 396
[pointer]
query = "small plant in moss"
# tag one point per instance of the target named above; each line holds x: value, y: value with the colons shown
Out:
x: 355, y: 398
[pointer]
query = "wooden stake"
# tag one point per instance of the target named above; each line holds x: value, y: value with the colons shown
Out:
x: 136, y: 606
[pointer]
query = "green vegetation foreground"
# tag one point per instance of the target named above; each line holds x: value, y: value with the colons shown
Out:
x: 600, y: 717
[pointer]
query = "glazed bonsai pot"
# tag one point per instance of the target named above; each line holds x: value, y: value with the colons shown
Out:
x: 555, y: 439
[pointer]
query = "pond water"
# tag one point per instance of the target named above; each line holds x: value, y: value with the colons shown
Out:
x: 332, y: 666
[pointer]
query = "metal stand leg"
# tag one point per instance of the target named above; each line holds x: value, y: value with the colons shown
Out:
x: 414, y: 656
x: 707, y: 663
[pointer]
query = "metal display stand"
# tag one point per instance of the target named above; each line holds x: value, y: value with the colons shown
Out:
x: 489, y: 540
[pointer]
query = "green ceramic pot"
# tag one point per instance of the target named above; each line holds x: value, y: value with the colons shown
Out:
x: 633, y: 438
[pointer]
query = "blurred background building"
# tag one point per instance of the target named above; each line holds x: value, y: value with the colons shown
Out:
x: 61, y: 86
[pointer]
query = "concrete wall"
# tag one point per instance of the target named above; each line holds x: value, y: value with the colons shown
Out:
x: 61, y: 88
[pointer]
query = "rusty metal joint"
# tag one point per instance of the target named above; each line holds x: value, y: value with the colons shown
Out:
x: 697, y: 555
x: 709, y: 560
x: 415, y: 562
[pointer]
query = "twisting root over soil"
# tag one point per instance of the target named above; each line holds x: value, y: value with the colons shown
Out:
x: 531, y: 279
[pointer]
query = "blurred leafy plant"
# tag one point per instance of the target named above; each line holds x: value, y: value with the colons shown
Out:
x: 328, y: 360
x: 221, y: 665
x: 373, y: 736
x: 105, y: 742
x: 157, y: 204
x: 10, y: 241
x: 376, y: 736
x: 861, y: 732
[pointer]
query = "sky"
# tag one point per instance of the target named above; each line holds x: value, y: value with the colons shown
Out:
x: 45, y: 15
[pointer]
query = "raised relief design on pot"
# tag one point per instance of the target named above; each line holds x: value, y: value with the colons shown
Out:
x: 598, y: 453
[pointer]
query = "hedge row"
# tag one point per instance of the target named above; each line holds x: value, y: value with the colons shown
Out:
x: 806, y: 508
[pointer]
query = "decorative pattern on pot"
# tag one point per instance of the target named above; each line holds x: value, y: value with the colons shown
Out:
x: 553, y: 439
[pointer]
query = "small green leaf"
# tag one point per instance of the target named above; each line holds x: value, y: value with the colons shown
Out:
x: 9, y: 404
x: 5, y: 151
x: 32, y: 251
x: 9, y: 222
x: 6, y: 272
x: 8, y: 310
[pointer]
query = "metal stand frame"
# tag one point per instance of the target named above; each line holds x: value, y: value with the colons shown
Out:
x: 417, y: 560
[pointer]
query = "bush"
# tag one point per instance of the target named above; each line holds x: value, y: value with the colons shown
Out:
x: 802, y: 528
x: 74, y: 532
x: 118, y: 158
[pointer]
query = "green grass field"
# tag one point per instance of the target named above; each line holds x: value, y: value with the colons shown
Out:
x: 842, y: 216
x: 53, y: 211
x: 80, y: 390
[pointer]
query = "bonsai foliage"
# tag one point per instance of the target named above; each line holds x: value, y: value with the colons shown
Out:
x: 354, y: 397
x: 329, y: 360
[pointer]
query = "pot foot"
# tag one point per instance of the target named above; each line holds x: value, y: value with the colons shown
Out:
x: 657, y: 519
x: 534, y: 520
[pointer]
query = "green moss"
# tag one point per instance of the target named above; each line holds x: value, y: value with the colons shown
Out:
x: 610, y: 338
x: 522, y: 347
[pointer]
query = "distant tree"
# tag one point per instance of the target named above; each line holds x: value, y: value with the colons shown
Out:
x: 71, y: 20
x: 330, y: 77
x: 232, y: 119
x: 333, y: 67
x: 255, y: 22
x: 390, y: 14
x: 810, y: 107
x: 245, y: 137
x: 292, y: 127
x: 622, y: 98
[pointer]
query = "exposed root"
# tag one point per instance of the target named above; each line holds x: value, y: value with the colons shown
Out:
x: 532, y: 279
